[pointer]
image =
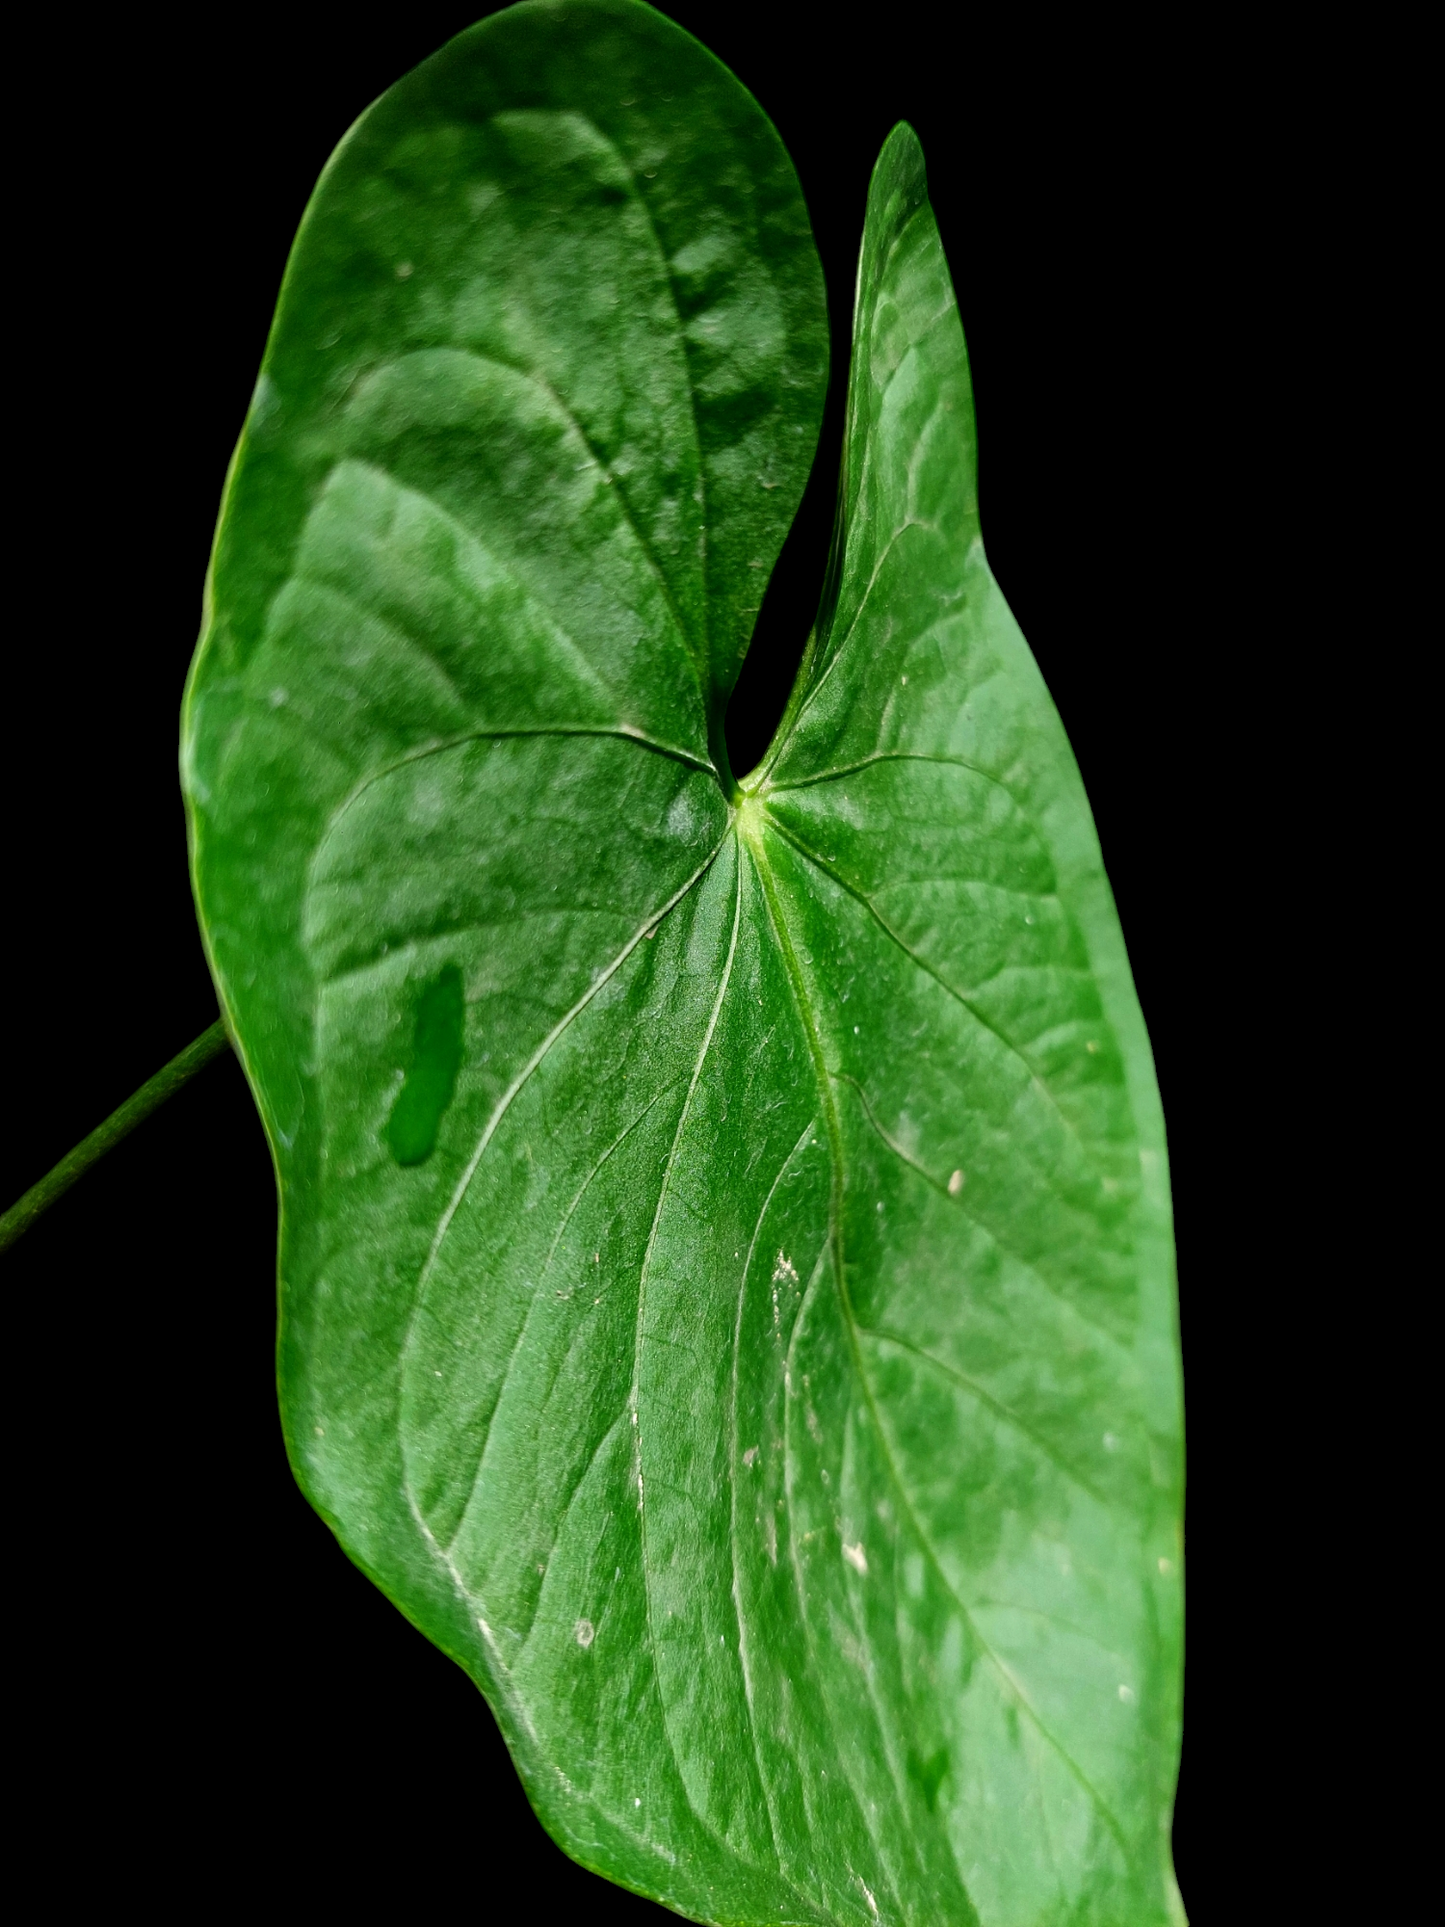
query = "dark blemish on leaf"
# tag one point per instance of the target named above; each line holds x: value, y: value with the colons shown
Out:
x: 431, y: 1078
x: 928, y: 1774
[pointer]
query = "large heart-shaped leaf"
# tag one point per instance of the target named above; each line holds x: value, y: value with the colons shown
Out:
x: 726, y: 1292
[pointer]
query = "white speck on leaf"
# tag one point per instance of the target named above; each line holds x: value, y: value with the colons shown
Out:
x: 1111, y: 1444
x: 857, y: 1558
x: 584, y: 1632
x: 750, y: 1455
x: 1126, y: 1693
x: 955, y: 1184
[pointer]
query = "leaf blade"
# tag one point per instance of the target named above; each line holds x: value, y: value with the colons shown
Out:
x: 657, y: 1301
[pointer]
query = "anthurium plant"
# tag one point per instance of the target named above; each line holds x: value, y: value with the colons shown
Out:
x: 726, y: 1277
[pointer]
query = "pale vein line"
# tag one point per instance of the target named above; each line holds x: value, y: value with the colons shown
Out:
x: 640, y: 202
x: 702, y: 476
x: 436, y: 745
x: 1009, y: 1250
x: 469, y: 538
x: 587, y: 1182
x: 637, y: 1336
x: 525, y: 1638
x: 837, y: 651
x: 852, y: 496
x: 507, y: 1692
x: 505, y: 1102
x: 852, y: 1593
x: 1037, y: 1612
x: 835, y: 875
x: 850, y: 1323
x: 864, y: 1806
x: 733, y: 1477
x: 871, y: 433
x: 855, y: 494
x: 439, y: 1552
x: 378, y: 613
x: 537, y: 1301
x: 529, y: 374
x: 896, y: 756
x: 464, y: 926
x: 766, y: 880
x: 996, y: 1406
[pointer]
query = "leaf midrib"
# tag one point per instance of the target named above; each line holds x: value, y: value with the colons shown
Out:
x: 772, y: 895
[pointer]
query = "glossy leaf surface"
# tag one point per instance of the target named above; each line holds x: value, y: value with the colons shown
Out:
x: 726, y: 1290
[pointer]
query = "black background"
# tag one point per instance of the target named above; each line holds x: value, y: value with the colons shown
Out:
x: 230, y: 1707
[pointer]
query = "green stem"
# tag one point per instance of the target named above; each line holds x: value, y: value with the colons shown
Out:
x: 104, y: 1137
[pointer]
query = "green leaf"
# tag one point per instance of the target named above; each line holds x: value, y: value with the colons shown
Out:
x: 726, y: 1279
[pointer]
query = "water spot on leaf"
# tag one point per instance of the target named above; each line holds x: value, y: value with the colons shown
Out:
x: 431, y: 1078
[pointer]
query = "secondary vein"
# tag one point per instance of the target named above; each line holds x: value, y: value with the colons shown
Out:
x: 845, y: 884
x: 835, y: 1134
